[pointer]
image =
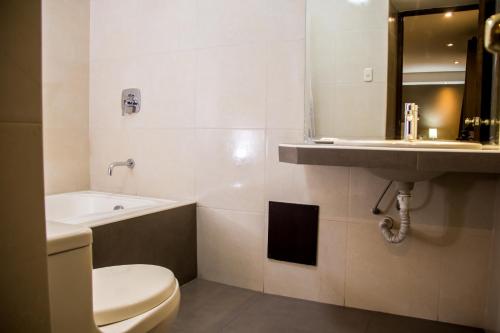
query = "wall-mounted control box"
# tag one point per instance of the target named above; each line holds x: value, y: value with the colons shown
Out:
x: 131, y: 101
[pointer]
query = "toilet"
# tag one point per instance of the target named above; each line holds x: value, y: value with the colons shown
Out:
x: 116, y: 299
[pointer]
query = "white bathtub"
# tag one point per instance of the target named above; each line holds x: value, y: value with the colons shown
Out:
x: 90, y: 208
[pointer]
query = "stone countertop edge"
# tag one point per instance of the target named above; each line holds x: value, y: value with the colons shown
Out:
x: 421, y: 159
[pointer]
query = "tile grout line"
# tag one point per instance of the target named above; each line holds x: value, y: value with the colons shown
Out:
x: 266, y: 158
x: 346, y: 257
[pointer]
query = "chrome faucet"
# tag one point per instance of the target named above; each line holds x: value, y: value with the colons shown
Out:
x: 130, y: 163
x: 411, y: 122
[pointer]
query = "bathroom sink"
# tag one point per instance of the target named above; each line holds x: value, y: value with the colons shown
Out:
x: 435, y: 144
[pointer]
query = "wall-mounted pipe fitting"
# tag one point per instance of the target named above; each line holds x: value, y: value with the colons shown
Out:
x: 387, y: 224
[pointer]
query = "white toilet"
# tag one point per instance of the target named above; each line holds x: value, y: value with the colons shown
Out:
x: 118, y: 299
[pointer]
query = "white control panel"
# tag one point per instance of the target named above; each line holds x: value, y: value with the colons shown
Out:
x: 368, y: 74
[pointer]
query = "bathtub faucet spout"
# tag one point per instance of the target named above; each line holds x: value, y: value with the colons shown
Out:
x: 130, y: 163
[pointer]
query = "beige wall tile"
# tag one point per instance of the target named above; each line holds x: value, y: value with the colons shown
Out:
x: 112, y: 35
x: 400, y: 279
x: 165, y: 162
x: 168, y: 91
x: 327, y: 187
x: 463, y: 276
x: 365, y: 118
x: 231, y: 87
x: 468, y: 199
x: 165, y: 26
x: 291, y: 280
x: 332, y: 253
x: 66, y: 103
x: 230, y: 247
x: 66, y: 31
x: 227, y: 22
x: 65, y: 64
x: 324, y: 97
x: 286, y: 20
x: 66, y: 160
x: 230, y: 169
x: 285, y: 91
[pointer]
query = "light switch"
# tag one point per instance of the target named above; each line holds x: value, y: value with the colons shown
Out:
x: 368, y: 74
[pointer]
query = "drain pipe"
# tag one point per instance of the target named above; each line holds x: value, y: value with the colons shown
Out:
x: 386, y: 225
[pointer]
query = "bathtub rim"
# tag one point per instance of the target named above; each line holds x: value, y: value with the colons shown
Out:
x: 95, y: 220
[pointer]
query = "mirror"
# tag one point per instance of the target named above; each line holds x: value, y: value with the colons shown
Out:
x: 366, y: 59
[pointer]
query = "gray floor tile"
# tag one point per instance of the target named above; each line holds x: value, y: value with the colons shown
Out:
x: 208, y: 307
x: 281, y: 314
x: 211, y: 307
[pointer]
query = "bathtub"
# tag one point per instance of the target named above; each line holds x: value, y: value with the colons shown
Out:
x: 91, y: 209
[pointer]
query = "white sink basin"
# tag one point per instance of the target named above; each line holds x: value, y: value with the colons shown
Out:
x: 436, y: 144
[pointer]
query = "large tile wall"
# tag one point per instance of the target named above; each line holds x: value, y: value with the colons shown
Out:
x: 23, y: 281
x: 65, y: 62
x: 492, y: 315
x: 223, y: 84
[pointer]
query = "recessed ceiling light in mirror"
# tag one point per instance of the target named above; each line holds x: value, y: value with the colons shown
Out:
x: 359, y: 2
x: 448, y: 14
x: 456, y: 62
x: 450, y: 44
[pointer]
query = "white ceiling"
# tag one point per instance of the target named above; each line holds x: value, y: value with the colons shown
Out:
x: 426, y: 36
x: 405, y: 5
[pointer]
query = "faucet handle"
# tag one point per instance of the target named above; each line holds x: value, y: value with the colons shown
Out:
x: 131, y: 101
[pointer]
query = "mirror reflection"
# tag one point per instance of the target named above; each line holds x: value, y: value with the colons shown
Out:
x: 399, y: 69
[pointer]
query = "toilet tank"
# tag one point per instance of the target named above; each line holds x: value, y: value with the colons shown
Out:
x: 70, y: 278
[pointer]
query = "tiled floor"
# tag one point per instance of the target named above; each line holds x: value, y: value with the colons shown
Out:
x: 211, y: 307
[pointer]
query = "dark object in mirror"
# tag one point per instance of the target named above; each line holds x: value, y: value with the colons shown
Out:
x: 492, y: 34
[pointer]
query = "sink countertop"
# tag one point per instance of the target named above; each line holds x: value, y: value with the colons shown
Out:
x: 420, y: 159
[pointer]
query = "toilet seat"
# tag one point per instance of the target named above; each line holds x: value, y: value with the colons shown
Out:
x: 123, y: 292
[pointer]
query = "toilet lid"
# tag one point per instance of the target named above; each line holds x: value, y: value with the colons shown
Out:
x: 123, y: 292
